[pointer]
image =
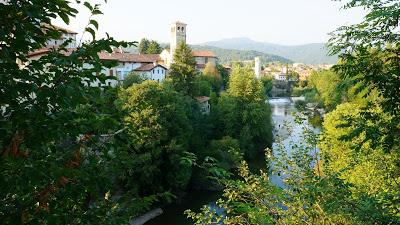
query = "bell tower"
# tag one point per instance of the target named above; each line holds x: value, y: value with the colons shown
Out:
x: 178, y: 35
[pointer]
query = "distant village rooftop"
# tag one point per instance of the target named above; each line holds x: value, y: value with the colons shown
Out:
x: 203, y: 53
x: 149, y: 67
x: 202, y: 99
x: 62, y: 29
x: 121, y: 57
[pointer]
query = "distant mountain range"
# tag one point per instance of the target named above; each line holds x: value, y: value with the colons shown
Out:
x: 229, y: 55
x: 309, y: 53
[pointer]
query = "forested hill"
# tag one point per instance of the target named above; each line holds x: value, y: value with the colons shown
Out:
x: 309, y: 53
x: 228, y: 55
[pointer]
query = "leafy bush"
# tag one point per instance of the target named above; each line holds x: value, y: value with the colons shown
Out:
x: 132, y: 78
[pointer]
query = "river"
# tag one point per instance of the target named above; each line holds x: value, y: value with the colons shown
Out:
x: 282, y: 113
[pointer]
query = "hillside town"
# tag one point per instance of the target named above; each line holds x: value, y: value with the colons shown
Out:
x: 152, y: 66
x: 270, y: 118
x: 155, y: 66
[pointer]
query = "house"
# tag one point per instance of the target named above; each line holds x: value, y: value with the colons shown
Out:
x: 280, y: 76
x: 127, y: 63
x: 203, y: 57
x: 204, y: 102
x: 152, y: 66
x: 178, y: 35
x: 65, y: 35
x: 152, y: 71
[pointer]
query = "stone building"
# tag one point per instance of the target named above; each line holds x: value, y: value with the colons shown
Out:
x: 178, y: 35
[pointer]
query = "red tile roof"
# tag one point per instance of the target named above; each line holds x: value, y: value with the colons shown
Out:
x: 128, y: 57
x: 148, y: 67
x: 51, y: 26
x: 203, y: 53
x: 37, y: 52
x: 202, y: 99
x: 121, y: 57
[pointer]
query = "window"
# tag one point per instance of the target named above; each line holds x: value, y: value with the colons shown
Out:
x: 111, y: 72
x: 109, y: 83
x: 183, y: 29
x: 119, y: 75
x: 179, y: 28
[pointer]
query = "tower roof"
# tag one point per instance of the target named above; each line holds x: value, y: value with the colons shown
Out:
x: 178, y: 22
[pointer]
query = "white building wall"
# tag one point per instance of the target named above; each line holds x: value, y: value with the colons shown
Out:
x: 157, y: 74
x: 205, y: 60
x: 64, y: 38
x: 166, y: 57
x: 200, y: 60
x: 257, y: 67
x: 212, y: 60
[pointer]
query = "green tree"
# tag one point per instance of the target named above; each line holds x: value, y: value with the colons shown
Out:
x: 369, y: 59
x: 268, y: 85
x: 132, y: 78
x: 144, y: 45
x: 154, y: 48
x: 243, y: 113
x: 224, y: 74
x: 212, y: 73
x: 203, y: 86
x: 158, y: 125
x: 326, y: 86
x: 58, y: 160
x: 183, y: 70
x: 365, y: 165
x: 244, y: 86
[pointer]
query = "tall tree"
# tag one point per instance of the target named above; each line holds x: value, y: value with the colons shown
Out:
x: 158, y: 125
x: 183, y: 70
x: 244, y: 86
x: 143, y: 46
x: 244, y: 113
x: 154, y: 48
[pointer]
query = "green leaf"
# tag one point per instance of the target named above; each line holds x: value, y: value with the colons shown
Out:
x: 94, y: 23
x: 87, y: 4
x: 92, y: 32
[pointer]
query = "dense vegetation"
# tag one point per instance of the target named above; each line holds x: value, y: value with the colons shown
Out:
x: 73, y: 153
x: 354, y: 177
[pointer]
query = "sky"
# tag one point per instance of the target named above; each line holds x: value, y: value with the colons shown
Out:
x: 287, y: 22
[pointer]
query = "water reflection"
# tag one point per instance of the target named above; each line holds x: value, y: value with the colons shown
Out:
x: 287, y: 131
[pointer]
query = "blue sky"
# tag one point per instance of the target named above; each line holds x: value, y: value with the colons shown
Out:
x: 287, y: 22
